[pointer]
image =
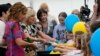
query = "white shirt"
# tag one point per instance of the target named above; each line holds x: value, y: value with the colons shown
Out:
x: 2, y: 30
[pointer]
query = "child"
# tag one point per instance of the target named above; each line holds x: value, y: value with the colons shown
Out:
x: 60, y: 29
x: 70, y: 44
x: 82, y: 43
x: 81, y: 46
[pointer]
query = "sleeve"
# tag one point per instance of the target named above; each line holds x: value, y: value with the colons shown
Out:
x: 17, y: 31
x: 2, y: 30
x: 55, y: 35
x: 23, y: 26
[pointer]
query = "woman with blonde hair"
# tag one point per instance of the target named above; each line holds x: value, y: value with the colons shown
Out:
x: 29, y: 25
x: 32, y: 28
x: 14, y: 35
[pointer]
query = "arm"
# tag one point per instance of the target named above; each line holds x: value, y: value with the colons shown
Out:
x: 64, y: 49
x: 61, y: 49
x: 39, y: 39
x: 3, y: 42
x: 32, y: 38
x: 42, y: 39
x: 43, y: 35
x: 94, y: 15
x: 18, y: 37
x: 23, y: 43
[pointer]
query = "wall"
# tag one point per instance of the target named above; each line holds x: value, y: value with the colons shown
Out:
x: 55, y: 6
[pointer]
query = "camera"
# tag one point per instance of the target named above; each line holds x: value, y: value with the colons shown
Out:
x: 84, y: 13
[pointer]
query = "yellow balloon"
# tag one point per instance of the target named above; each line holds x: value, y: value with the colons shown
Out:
x: 79, y: 26
x: 55, y: 52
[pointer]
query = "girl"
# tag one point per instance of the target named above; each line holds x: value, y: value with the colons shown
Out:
x: 81, y: 46
x: 60, y: 29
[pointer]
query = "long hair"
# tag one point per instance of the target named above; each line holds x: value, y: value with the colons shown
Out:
x: 16, y: 9
x: 82, y: 43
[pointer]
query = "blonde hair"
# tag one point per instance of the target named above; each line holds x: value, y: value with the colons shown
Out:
x: 30, y: 12
x: 82, y: 43
x: 44, y: 6
x: 16, y: 9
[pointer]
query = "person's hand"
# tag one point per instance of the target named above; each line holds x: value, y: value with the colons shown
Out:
x: 32, y: 45
x: 54, y: 40
x: 54, y: 44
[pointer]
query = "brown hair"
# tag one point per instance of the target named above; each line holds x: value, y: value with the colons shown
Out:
x: 16, y: 9
x: 82, y: 42
x: 63, y: 14
x: 39, y: 13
